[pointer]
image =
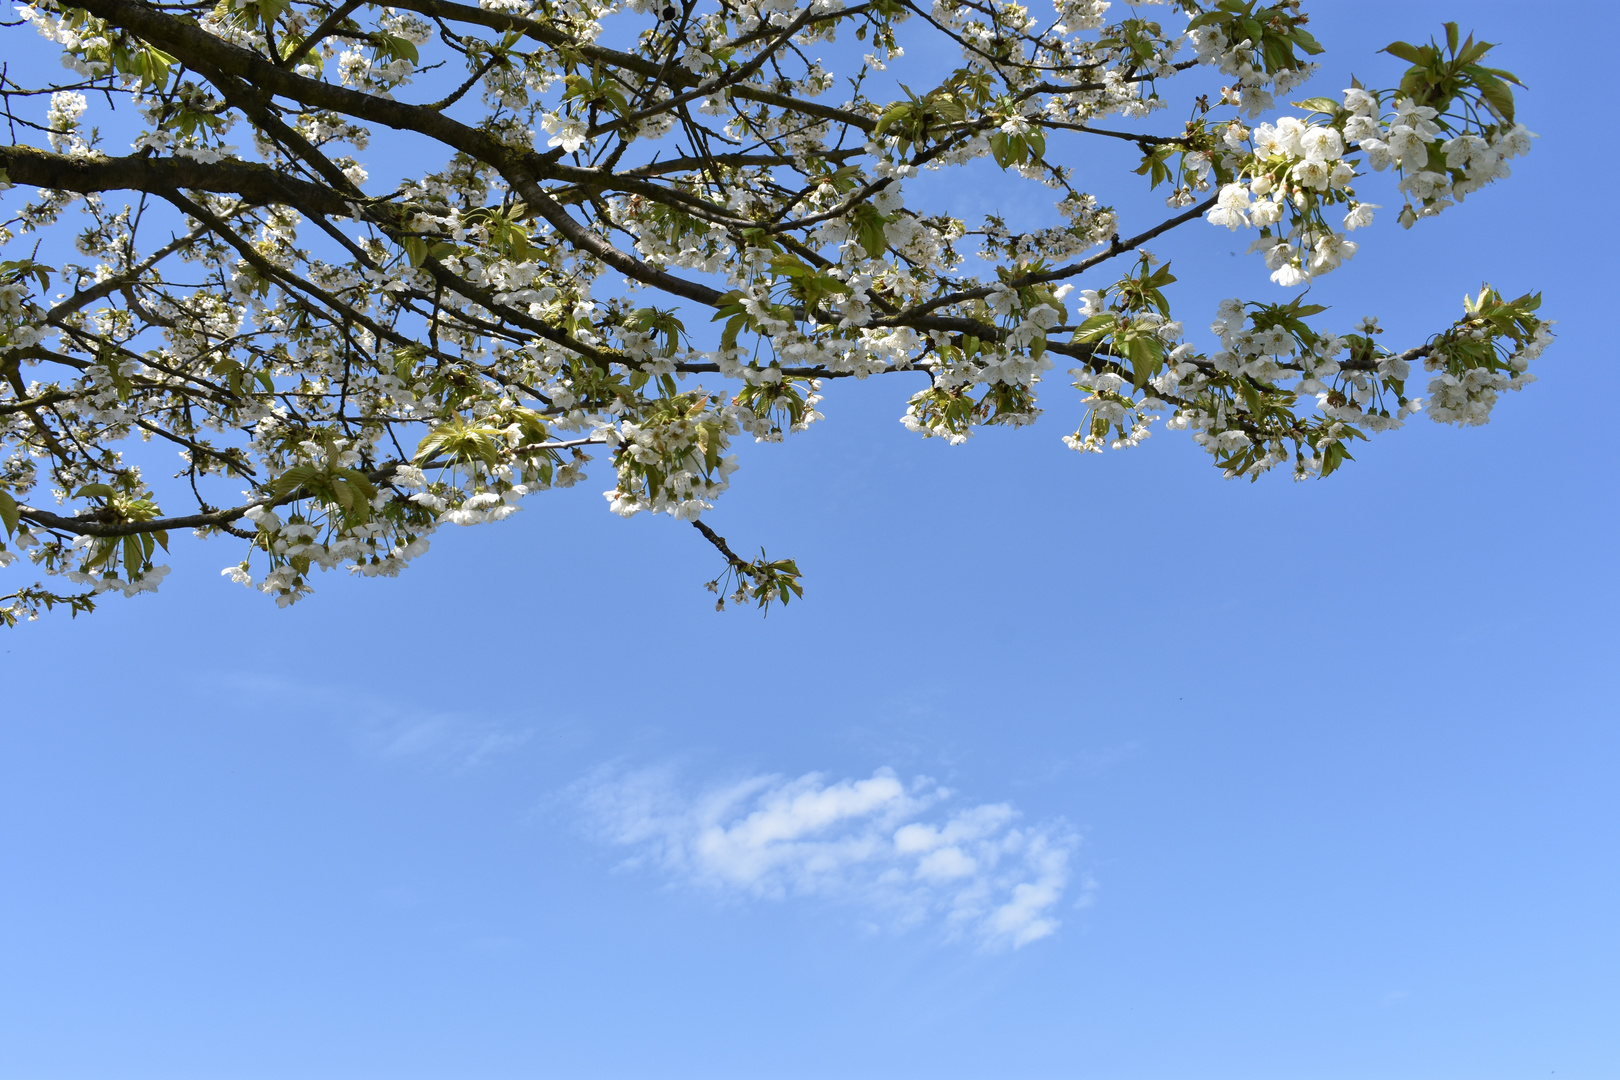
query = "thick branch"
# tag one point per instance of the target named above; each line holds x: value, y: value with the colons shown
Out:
x: 157, y: 175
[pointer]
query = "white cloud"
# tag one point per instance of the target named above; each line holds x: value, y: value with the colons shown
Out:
x: 390, y: 727
x: 451, y: 740
x: 878, y: 843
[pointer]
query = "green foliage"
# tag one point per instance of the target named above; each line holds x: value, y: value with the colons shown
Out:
x: 1120, y: 334
x: 372, y: 360
x: 1490, y: 333
x: 660, y: 324
x: 1009, y: 149
x: 868, y: 221
x: 8, y: 513
x: 1277, y: 31
x: 113, y: 49
x: 133, y: 551
x: 956, y: 410
x: 26, y: 604
x: 470, y: 443
x: 783, y: 401
x: 764, y: 581
x: 936, y: 115
x: 601, y: 89
x: 685, y: 433
x: 506, y: 233
x: 348, y: 491
x: 1440, y: 75
x: 19, y: 270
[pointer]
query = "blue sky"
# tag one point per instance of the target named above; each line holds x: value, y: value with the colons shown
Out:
x: 1307, y: 780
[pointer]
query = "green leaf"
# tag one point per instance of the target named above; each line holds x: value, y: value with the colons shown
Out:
x: 1334, y: 456
x: 1095, y: 328
x: 1318, y: 104
x: 9, y: 513
x: 1251, y: 397
x: 398, y: 47
x: 891, y: 116
x: 132, y: 556
x: 1405, y: 51
x: 1147, y: 356
x: 734, y: 326
x: 1505, y: 76
x: 1305, y: 41
x: 1495, y: 92
x: 869, y: 222
x: 456, y: 439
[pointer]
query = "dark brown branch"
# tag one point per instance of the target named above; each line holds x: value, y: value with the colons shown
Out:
x: 119, y: 281
x: 720, y: 545
x: 730, y: 78
x: 1116, y: 248
x: 28, y: 405
x: 156, y: 175
x: 220, y: 61
x: 92, y: 523
x: 581, y: 237
x: 329, y: 24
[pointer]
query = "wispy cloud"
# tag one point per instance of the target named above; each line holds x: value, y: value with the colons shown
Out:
x: 392, y: 728
x: 450, y: 740
x: 897, y: 849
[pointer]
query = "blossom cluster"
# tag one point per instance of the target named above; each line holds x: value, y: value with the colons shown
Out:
x: 1301, y: 168
x: 1243, y: 403
x: 1435, y: 170
x: 673, y: 461
x: 1296, y: 172
x: 344, y: 365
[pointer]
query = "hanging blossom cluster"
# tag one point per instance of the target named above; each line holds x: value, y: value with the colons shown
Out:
x: 1435, y: 170
x: 648, y: 253
x: 1280, y: 390
x: 674, y: 461
x: 1237, y: 48
x: 1298, y: 177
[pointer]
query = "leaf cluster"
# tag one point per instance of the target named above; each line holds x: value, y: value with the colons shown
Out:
x: 1438, y: 76
x: 1276, y: 31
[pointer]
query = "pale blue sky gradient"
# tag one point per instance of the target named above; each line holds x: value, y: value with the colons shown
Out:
x: 1340, y: 757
